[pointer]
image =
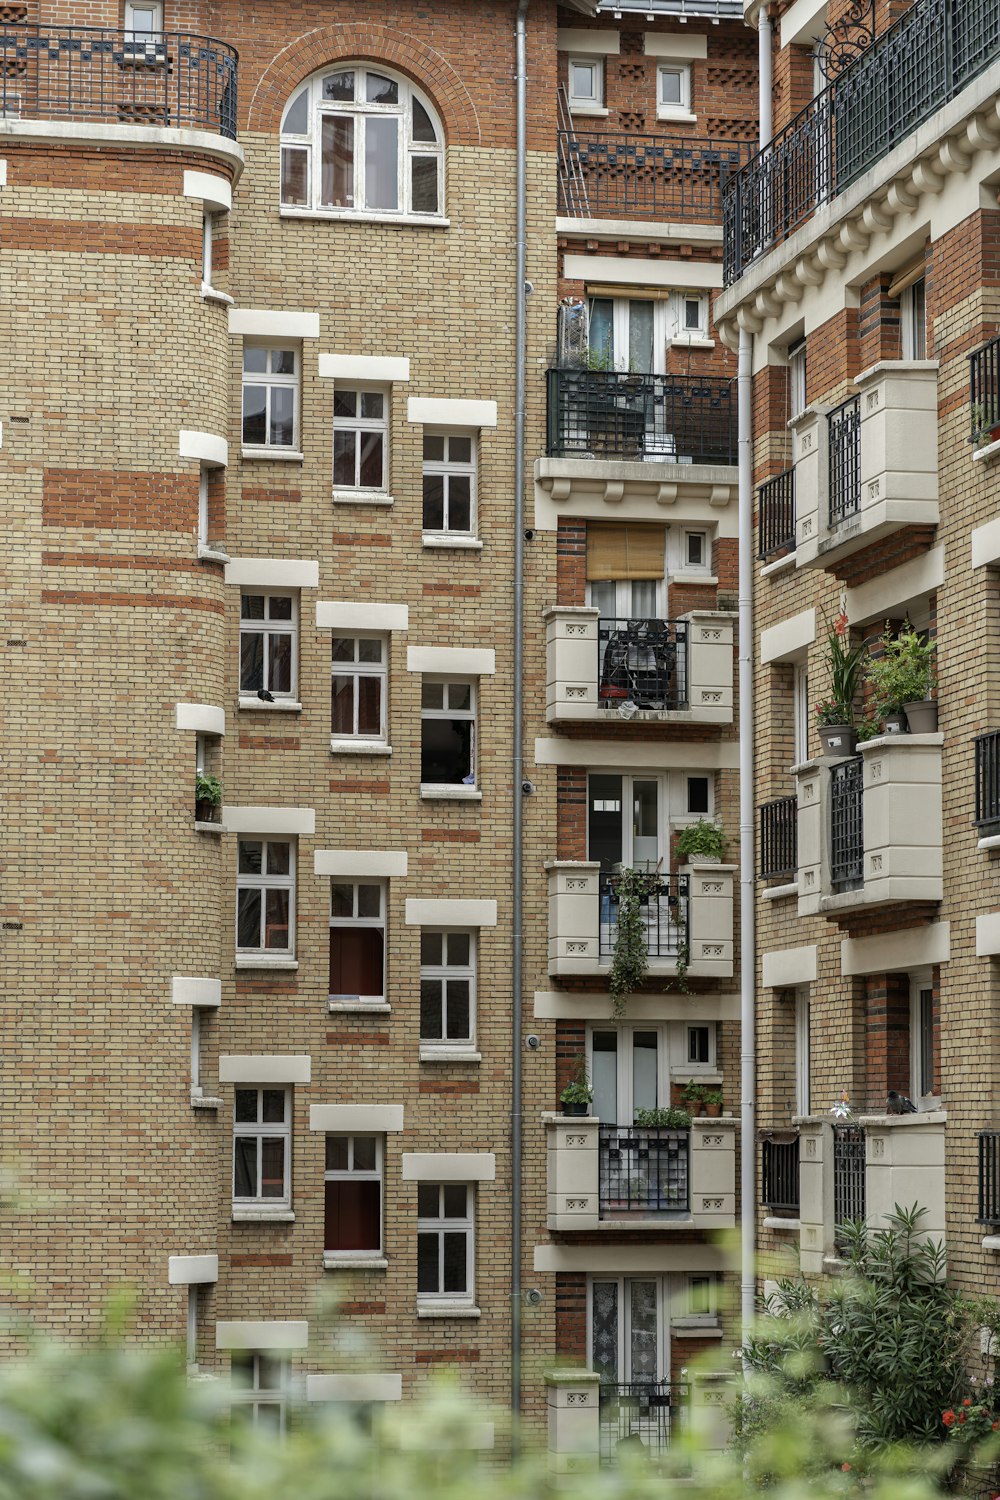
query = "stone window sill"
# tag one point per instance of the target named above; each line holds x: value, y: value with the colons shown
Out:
x: 780, y: 565
x: 260, y: 706
x: 982, y: 455
x: 332, y: 1261
x: 264, y: 961
x: 431, y: 793
x: 779, y: 892
x: 430, y: 1053
x: 791, y: 1225
x: 362, y: 497
x: 359, y: 1007
x: 263, y: 1216
x: 201, y: 826
x: 421, y: 221
x: 212, y: 294
x: 358, y: 747
x: 205, y: 1101
x: 460, y: 543
x: 447, y: 1310
x: 276, y: 455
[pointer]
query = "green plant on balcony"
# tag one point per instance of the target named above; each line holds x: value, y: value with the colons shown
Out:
x: 694, y: 1093
x: 701, y: 840
x: 984, y: 422
x: 576, y: 1097
x: 845, y: 664
x: 903, y: 672
x: 630, y: 955
x: 663, y: 1119
x: 207, y: 797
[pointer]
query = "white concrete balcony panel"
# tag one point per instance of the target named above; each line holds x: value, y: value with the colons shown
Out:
x: 904, y: 1164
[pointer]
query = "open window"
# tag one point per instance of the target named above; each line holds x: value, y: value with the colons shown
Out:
x: 353, y: 1195
x: 357, y: 941
x: 448, y: 732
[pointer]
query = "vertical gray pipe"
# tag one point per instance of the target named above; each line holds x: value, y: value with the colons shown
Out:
x: 517, y: 946
x: 747, y: 924
x: 764, y: 101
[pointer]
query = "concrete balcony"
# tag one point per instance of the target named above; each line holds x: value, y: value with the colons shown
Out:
x: 693, y: 908
x: 867, y: 468
x: 878, y: 839
x: 606, y: 1177
x: 644, y: 671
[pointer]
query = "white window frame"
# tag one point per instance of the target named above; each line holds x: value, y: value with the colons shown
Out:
x: 203, y: 506
x: 264, y: 882
x: 693, y: 1313
x: 156, y: 30
x: 261, y: 1131
x: 694, y: 535
x: 359, y: 424
x: 625, y: 607
x: 677, y: 552
x: 680, y: 108
x: 800, y: 712
x: 913, y: 320
x: 356, y: 668
x: 920, y: 982
x: 584, y: 103
x: 407, y: 147
x: 803, y: 1052
x: 680, y: 306
x: 271, y: 381
x: 447, y: 467
x: 440, y: 1226
x: 470, y: 714
x: 352, y: 1174
x: 268, y: 627
x: 663, y: 1319
x: 624, y: 1057
x: 797, y: 367
x: 255, y: 1396
x: 442, y: 973
x: 708, y: 1061
x: 378, y: 923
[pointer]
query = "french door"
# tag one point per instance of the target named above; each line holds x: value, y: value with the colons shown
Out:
x: 626, y: 821
x: 629, y: 1329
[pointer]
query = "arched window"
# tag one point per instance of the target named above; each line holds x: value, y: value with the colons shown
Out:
x: 358, y: 141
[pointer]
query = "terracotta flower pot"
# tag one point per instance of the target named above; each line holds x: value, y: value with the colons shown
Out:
x: 713, y: 1111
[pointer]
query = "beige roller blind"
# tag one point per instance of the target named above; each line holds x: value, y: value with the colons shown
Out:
x: 625, y: 551
x: 906, y: 277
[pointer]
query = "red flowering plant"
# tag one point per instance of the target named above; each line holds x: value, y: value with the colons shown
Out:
x: 845, y: 663
x: 970, y: 1422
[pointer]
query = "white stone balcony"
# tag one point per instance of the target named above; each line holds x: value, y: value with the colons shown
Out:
x: 692, y: 909
x: 871, y: 834
x: 607, y: 1177
x: 869, y: 467
x: 645, y: 671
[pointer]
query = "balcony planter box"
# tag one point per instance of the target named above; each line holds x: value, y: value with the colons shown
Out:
x: 575, y: 1111
x: 838, y: 739
x: 922, y: 717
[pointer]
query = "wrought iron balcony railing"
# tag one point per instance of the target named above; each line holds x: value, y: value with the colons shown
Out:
x: 984, y: 391
x: 779, y: 1172
x: 668, y: 418
x: 643, y: 1170
x: 170, y: 79
x: 776, y: 515
x: 844, y: 439
x: 918, y: 64
x: 614, y: 176
x: 647, y: 1411
x: 663, y: 908
x: 848, y: 1177
x: 642, y: 662
x: 779, y: 827
x: 847, y: 827
x: 988, y: 780
x: 989, y: 1179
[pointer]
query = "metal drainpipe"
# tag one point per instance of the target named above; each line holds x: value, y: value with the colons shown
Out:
x: 764, y: 75
x: 747, y: 924
x: 520, y: 271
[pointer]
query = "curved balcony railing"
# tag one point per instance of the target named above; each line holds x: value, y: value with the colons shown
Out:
x: 167, y: 80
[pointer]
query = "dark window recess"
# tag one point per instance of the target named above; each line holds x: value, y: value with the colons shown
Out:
x: 353, y: 1216
x: 446, y: 752
x: 697, y: 794
x: 357, y: 961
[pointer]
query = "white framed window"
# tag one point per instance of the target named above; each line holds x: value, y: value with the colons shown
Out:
x: 360, y: 437
x: 689, y: 550
x: 701, y: 1299
x: 699, y: 1046
x: 913, y: 320
x: 445, y: 1241
x: 358, y: 687
x: 586, y: 83
x: 207, y: 237
x: 265, y: 896
x: 697, y: 795
x: 797, y: 378
x: 203, y: 506
x: 270, y: 396
x: 262, y: 1147
x: 629, y: 1070
x: 269, y: 639
x: 449, y: 476
x: 800, y: 712
x: 143, y: 20
x: 803, y: 1052
x: 628, y: 598
x: 628, y: 1320
x: 447, y: 987
x: 447, y: 732
x: 673, y: 89
x: 259, y: 1394
x: 696, y: 554
x: 359, y: 141
x: 353, y: 1187
x: 357, y: 941
x: 923, y: 1080
x: 690, y: 315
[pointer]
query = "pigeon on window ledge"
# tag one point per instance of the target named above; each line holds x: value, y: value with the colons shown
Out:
x: 265, y: 696
x: 898, y: 1104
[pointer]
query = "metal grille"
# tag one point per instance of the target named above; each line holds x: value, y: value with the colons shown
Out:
x: 779, y: 1174
x: 848, y: 1177
x: 620, y: 176
x: 643, y: 1170
x: 984, y: 391
x: 642, y: 1411
x: 664, y: 910
x: 776, y: 514
x: 989, y: 1178
x: 933, y: 50
x: 95, y: 73
x: 612, y: 414
x: 642, y: 663
x: 844, y: 438
x: 847, y: 831
x: 779, y: 827
x: 987, y: 779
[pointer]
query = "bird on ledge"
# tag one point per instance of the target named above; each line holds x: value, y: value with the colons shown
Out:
x: 898, y: 1104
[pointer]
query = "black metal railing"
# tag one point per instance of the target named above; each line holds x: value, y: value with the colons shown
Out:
x: 987, y: 779
x: 169, y: 79
x: 643, y: 1170
x: 779, y: 1172
x: 844, y: 445
x: 779, y: 829
x: 612, y: 414
x: 640, y: 1411
x: 776, y: 514
x: 643, y: 663
x: 916, y: 65
x: 663, y: 908
x: 989, y: 1178
x: 848, y: 1177
x: 984, y: 391
x: 645, y: 176
x: 847, y: 825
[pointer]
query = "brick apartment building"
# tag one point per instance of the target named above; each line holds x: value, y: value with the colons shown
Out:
x: 258, y: 464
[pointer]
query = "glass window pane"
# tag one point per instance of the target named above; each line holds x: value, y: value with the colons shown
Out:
x: 345, y: 402
x: 460, y: 695
x: 433, y: 447
x: 604, y: 1076
x: 273, y: 1106
x: 644, y: 1070
x: 643, y: 1330
x: 282, y: 361
x: 272, y: 1167
x: 458, y: 947
x: 341, y: 899
x: 364, y: 1153
x: 250, y: 857
x: 381, y: 163
x: 458, y: 1010
x: 369, y: 650
x: 295, y: 176
x: 248, y: 919
x: 460, y: 449
x: 296, y: 121
x: 381, y: 90
x: 357, y: 961
x: 337, y: 140
x: 432, y: 695
x: 369, y: 705
x: 254, y: 359
x: 423, y: 129
x: 428, y: 1197
x: 241, y: 1369
x: 336, y: 1153
x: 431, y: 1019
x: 254, y: 414
x: 582, y: 80
x: 339, y: 85
x: 604, y: 1330
x: 427, y: 1263
x: 424, y: 184
x: 246, y: 1105
x: 276, y: 934
x: 456, y: 1200
x: 640, y: 335
x: 433, y: 502
x: 344, y: 444
x: 455, y: 1268
x: 430, y: 947
x: 282, y: 431
x: 372, y: 404
x: 269, y: 1374
x: 245, y: 1166
x: 670, y: 86
x: 446, y: 752
x: 342, y: 705
x: 459, y: 502
x: 279, y: 677
x: 343, y: 648
x: 280, y: 606
x: 372, y: 465
x: 251, y: 662
x: 602, y: 337
x: 353, y: 1215
x: 369, y: 900
x: 251, y: 606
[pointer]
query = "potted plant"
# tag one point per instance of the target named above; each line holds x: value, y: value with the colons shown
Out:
x: 207, y: 798
x: 713, y: 1103
x: 836, y: 736
x: 985, y: 425
x: 902, y: 676
x: 702, y: 840
x: 835, y: 714
x: 663, y: 1119
x: 577, y: 1095
x: 693, y: 1094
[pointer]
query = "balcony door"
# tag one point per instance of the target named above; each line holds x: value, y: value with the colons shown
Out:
x: 627, y: 598
x: 629, y: 1070
x: 627, y: 334
x: 629, y: 1329
x: 626, y: 822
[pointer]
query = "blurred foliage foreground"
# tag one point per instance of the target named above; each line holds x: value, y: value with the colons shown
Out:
x: 871, y: 1392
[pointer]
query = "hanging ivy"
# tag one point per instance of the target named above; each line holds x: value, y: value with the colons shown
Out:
x: 630, y: 955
